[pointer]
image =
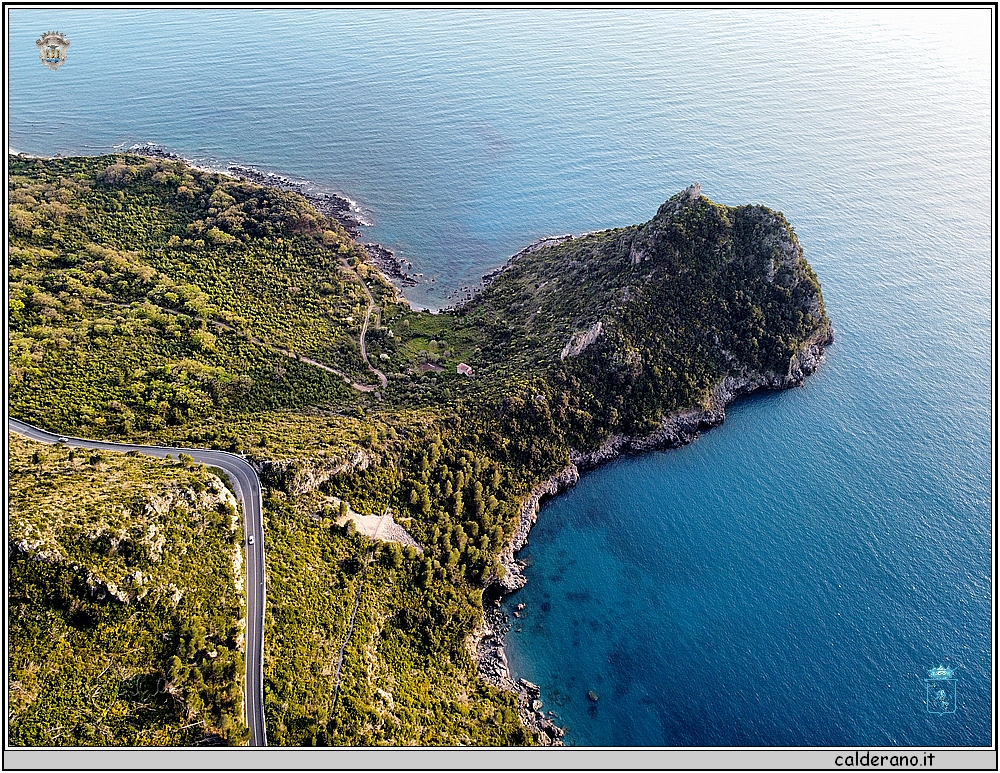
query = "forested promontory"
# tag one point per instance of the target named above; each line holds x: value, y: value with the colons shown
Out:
x: 154, y: 302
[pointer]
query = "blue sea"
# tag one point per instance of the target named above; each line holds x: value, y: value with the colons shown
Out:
x: 789, y: 578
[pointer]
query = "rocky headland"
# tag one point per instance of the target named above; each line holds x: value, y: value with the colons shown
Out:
x: 676, y: 430
x: 611, y: 289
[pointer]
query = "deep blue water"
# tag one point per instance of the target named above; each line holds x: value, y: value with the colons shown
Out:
x: 788, y: 578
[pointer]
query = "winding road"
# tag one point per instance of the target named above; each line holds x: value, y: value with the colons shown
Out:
x: 246, y: 487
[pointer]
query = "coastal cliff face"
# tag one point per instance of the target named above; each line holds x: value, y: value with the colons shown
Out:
x: 635, y: 327
x: 512, y: 578
x: 681, y: 428
x: 486, y: 642
x: 675, y: 430
x: 658, y: 327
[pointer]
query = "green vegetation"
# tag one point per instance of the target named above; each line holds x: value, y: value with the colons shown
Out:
x: 102, y: 253
x: 154, y: 302
x: 700, y: 292
x: 125, y: 600
x: 406, y: 677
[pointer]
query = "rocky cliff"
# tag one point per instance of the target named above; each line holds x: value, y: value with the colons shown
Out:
x: 487, y: 643
x: 681, y: 428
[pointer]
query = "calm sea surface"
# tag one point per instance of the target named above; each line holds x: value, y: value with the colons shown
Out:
x: 789, y: 578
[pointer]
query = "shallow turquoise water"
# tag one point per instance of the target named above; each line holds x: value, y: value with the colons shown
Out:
x: 790, y: 577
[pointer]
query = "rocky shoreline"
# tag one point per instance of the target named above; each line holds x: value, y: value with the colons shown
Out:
x: 487, y: 649
x: 345, y: 212
x: 513, y: 578
x: 391, y: 266
x: 488, y: 642
x: 331, y: 205
x: 467, y: 293
x: 681, y: 428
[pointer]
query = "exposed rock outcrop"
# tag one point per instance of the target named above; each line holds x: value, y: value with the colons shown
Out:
x: 513, y: 577
x: 144, y: 539
x: 298, y: 477
x: 379, y: 527
x: 581, y: 341
x: 385, y: 260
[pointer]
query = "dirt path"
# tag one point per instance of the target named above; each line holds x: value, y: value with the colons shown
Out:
x: 364, y: 329
x: 347, y: 639
x: 291, y: 355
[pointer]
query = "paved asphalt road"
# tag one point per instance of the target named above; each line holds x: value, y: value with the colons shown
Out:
x: 246, y: 486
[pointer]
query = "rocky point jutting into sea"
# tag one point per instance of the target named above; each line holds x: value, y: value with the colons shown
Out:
x: 487, y: 643
x: 836, y: 532
x: 676, y: 429
x: 580, y: 349
x: 645, y: 244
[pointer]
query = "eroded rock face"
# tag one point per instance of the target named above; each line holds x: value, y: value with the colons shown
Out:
x: 297, y: 477
x: 681, y: 428
x: 513, y: 577
x: 581, y: 341
x: 809, y: 357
